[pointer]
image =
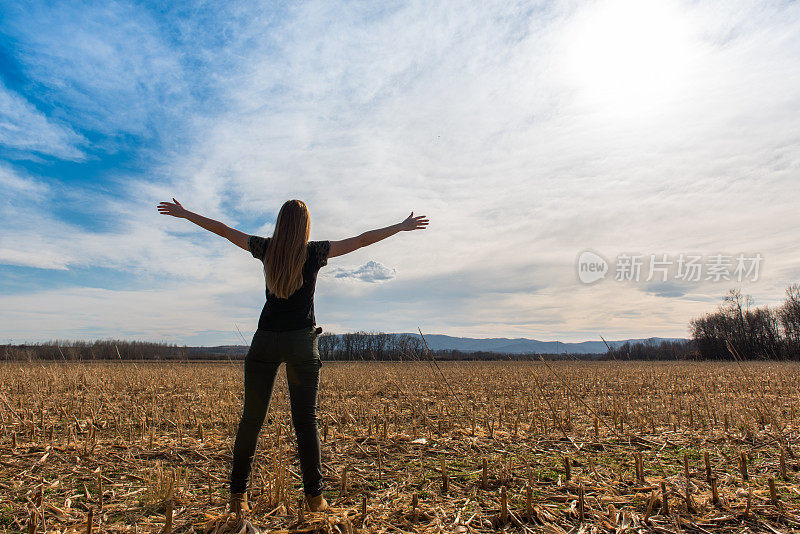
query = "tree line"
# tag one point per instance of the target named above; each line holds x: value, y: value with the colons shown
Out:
x: 369, y: 346
x: 393, y: 347
x: 355, y: 346
x: 679, y: 349
x: 111, y: 349
x: 739, y: 330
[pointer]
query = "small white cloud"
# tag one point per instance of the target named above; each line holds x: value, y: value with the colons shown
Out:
x: 23, y: 127
x: 41, y: 260
x: 12, y: 183
x: 372, y: 272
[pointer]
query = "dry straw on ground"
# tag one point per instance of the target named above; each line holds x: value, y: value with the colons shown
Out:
x: 521, y: 447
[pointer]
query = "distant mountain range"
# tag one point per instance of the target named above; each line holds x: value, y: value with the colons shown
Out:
x: 470, y: 344
x: 527, y: 346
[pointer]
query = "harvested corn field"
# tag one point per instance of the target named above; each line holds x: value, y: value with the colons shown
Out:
x: 477, y: 447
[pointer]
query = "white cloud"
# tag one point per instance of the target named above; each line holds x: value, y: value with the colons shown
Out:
x: 13, y: 183
x: 159, y: 315
x: 108, y: 67
x: 465, y: 117
x: 372, y: 272
x: 33, y: 258
x: 24, y: 128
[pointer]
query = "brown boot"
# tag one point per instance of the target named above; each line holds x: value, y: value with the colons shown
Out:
x: 317, y: 503
x: 239, y: 504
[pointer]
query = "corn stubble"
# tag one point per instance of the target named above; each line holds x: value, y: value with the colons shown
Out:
x: 525, y: 446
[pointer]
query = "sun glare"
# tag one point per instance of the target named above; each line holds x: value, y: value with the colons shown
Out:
x: 627, y: 56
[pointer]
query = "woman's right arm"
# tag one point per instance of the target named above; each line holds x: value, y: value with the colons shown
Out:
x: 233, y: 235
x: 345, y: 246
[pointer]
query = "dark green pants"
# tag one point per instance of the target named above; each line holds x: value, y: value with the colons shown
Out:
x: 299, y: 349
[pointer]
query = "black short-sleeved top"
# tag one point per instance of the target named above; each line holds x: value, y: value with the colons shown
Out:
x: 297, y: 311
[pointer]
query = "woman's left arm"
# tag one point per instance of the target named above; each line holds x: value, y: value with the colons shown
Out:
x: 233, y: 235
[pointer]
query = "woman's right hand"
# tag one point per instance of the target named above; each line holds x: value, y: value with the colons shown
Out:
x: 414, y: 223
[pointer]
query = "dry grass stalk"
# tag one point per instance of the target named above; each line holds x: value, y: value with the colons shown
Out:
x: 714, y: 492
x: 503, y: 505
x: 782, y: 464
x: 529, y: 502
x: 773, y: 495
x: 343, y: 483
x: 445, y: 476
x: 639, y: 465
x: 743, y: 466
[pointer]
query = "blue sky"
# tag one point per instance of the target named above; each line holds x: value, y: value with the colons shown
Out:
x: 527, y: 131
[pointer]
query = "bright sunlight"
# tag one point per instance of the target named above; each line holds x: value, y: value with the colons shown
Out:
x: 627, y: 57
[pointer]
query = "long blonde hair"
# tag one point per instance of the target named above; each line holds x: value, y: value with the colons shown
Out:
x: 286, y: 251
